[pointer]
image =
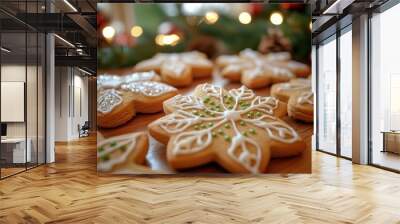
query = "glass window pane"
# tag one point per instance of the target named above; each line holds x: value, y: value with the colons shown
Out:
x: 385, y: 89
x: 13, y: 87
x: 346, y: 94
x: 327, y: 96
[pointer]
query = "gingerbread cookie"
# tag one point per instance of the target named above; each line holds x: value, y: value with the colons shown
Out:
x: 283, y: 91
x: 301, y: 106
x: 107, y: 81
x: 122, y: 152
x: 253, y: 69
x: 301, y: 70
x: 116, y: 107
x: 178, y: 69
x: 235, y: 128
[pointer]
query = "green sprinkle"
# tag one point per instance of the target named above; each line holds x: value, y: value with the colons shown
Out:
x: 258, y: 113
x: 105, y: 158
x: 196, y: 127
x: 242, y: 123
x: 248, y: 115
x: 252, y: 131
x: 101, y: 149
x: 203, y: 126
x: 210, y: 124
x: 245, y: 134
x: 220, y: 131
x: 213, y: 134
x: 227, y: 126
x: 113, y: 144
x: 202, y: 115
x: 227, y: 138
x: 212, y: 114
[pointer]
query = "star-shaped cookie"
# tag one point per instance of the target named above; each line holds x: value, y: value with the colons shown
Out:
x: 256, y: 70
x: 235, y: 128
x: 178, y: 69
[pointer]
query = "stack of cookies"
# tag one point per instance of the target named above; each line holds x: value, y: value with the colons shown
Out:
x: 297, y: 93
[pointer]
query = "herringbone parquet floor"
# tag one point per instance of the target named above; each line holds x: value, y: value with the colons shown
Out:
x: 70, y: 191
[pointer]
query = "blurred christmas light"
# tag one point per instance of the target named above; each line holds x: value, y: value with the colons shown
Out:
x: 310, y: 25
x: 136, y: 31
x: 163, y: 40
x: 211, y: 17
x: 276, y: 18
x: 108, y: 32
x: 244, y: 18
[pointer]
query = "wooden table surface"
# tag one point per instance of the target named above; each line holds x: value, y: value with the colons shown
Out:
x: 296, y: 164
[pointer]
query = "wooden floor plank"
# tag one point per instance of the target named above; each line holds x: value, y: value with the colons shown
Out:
x: 70, y: 191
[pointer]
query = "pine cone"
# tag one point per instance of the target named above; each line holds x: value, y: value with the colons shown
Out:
x: 274, y: 41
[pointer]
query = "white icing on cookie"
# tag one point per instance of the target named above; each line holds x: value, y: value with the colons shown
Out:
x: 278, y: 56
x: 107, y: 100
x: 139, y: 76
x: 306, y: 98
x: 106, y: 150
x: 196, y: 122
x: 148, y: 88
x: 296, y: 65
x: 295, y: 86
x: 115, y: 81
x: 251, y: 161
x: 278, y: 71
x: 249, y: 53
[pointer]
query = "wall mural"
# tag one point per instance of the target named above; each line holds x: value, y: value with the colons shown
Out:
x: 204, y: 88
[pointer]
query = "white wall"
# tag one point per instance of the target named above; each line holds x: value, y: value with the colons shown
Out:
x: 71, y: 94
x: 16, y: 73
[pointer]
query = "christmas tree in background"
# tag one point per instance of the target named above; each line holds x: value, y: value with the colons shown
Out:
x: 264, y: 27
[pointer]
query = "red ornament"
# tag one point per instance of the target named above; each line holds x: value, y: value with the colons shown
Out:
x: 101, y: 21
x: 293, y: 6
x: 256, y: 9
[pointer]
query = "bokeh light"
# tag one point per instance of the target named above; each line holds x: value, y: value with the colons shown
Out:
x: 276, y: 18
x: 244, y: 18
x: 136, y: 31
x: 108, y: 32
x: 211, y: 17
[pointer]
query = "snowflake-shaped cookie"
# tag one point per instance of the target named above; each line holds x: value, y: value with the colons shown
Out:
x: 256, y: 70
x: 234, y: 128
x: 117, y: 106
x: 178, y: 69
